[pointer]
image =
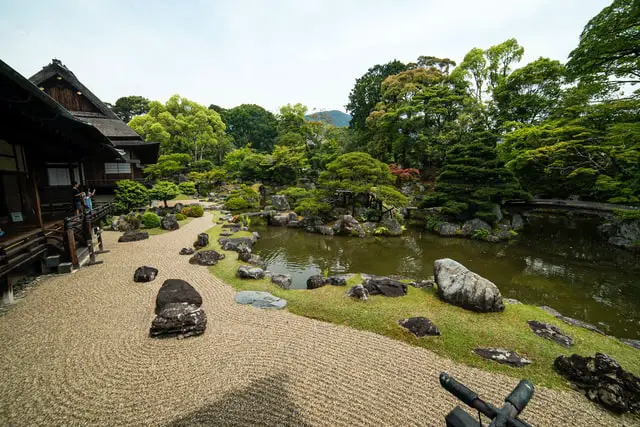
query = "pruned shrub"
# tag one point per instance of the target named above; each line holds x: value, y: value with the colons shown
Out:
x: 130, y: 195
x: 236, y: 204
x: 312, y: 207
x: 188, y: 187
x: 195, y: 211
x: 150, y: 220
x: 180, y: 217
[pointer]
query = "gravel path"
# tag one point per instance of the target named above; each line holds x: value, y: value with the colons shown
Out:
x: 76, y: 352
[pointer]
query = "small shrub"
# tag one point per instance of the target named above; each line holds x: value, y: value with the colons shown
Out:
x: 129, y: 195
x: 381, y: 231
x: 150, y: 220
x: 164, y: 190
x: 180, y: 217
x: 432, y: 223
x: 481, y: 234
x: 236, y: 203
x: 188, y: 187
x: 311, y: 207
x: 194, y: 211
x: 627, y: 215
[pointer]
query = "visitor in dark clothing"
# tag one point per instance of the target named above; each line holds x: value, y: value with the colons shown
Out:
x: 77, y: 197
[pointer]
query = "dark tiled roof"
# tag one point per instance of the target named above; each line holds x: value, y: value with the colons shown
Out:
x: 112, y: 128
x: 56, y: 68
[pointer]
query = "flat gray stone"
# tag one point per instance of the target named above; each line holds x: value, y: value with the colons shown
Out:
x: 260, y: 299
x: 550, y: 332
x: 500, y: 355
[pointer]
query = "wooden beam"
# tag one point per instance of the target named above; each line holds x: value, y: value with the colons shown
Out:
x: 38, y: 206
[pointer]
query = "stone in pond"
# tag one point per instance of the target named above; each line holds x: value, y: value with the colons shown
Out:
x: 426, y: 283
x: 169, y: 222
x: 394, y: 228
x: 207, y: 258
x: 500, y: 355
x: 573, y: 322
x: 358, y: 292
x: 282, y: 280
x: 203, y: 241
x: 447, y: 229
x: 602, y: 380
x: 632, y: 343
x: 280, y: 202
x: 550, y: 332
x: 385, y: 286
x: 176, y: 291
x: 420, y: 326
x: 260, y: 299
x: 179, y: 320
x: 133, y: 236
x: 346, y: 225
x: 248, y: 272
x: 459, y: 286
x: 187, y: 251
x: 145, y: 274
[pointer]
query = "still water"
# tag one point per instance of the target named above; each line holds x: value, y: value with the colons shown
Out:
x: 567, y: 268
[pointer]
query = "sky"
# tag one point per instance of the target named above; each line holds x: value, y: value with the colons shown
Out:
x: 268, y: 53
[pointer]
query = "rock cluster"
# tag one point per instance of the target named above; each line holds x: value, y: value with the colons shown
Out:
x: 235, y: 243
x: 169, y: 222
x: 280, y: 202
x: 420, y: 326
x: 602, y: 380
x: 318, y: 281
x: 206, y: 258
x: 178, y: 311
x: 245, y: 255
x: 249, y: 272
x: 145, y: 274
x: 459, y: 286
x: 202, y: 242
x: 347, y: 225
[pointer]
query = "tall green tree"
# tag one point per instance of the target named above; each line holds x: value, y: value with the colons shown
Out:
x: 128, y: 107
x: 609, y: 45
x: 367, y: 92
x: 183, y: 126
x: 251, y: 124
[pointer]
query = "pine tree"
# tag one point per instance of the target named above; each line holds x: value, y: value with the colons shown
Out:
x: 473, y: 180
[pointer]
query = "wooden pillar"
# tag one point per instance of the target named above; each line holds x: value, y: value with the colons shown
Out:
x: 38, y: 207
x: 70, y: 243
x: 6, y: 285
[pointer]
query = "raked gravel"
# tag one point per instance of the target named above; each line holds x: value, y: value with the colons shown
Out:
x: 76, y: 351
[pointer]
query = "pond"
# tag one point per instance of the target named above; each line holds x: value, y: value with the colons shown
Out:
x: 568, y: 268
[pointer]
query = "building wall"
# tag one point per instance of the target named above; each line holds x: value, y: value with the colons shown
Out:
x: 67, y: 96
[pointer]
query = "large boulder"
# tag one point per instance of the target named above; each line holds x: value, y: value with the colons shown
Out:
x: 325, y: 230
x: 278, y: 220
x: 347, y: 225
x: 206, y: 258
x: 622, y: 233
x: 260, y: 299
x: 318, y: 281
x: 245, y: 254
x: 126, y: 223
x: 550, y: 332
x: 280, y: 203
x: 380, y: 285
x: 177, y: 208
x: 311, y: 221
x: 602, y: 380
x: 249, y: 272
x: 517, y: 223
x: 145, y: 274
x: 202, y: 241
x: 447, y: 229
x: 169, y: 222
x: 179, y: 320
x: 420, y: 326
x: 235, y: 243
x: 358, y: 292
x: 282, y: 280
x: 471, y: 226
x: 459, y: 286
x: 133, y: 236
x: 177, y: 291
x: 392, y: 225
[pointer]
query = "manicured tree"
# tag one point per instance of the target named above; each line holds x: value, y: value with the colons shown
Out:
x: 129, y: 195
x: 187, y: 187
x: 356, y: 172
x: 473, y: 180
x: 164, y: 190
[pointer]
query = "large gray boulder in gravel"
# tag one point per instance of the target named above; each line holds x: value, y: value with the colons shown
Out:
x: 177, y: 291
x: 206, y: 258
x: 280, y: 203
x: 602, y: 380
x: 169, y: 222
x: 347, y: 225
x: 260, y: 299
x: 459, y: 286
x: 179, y: 320
x: 249, y: 272
x: 145, y: 274
x: 133, y: 236
x: 380, y: 285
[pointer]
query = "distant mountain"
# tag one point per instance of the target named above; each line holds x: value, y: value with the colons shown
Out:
x: 334, y: 117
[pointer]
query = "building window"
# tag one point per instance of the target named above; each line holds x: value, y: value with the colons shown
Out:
x: 59, y: 176
x: 117, y: 168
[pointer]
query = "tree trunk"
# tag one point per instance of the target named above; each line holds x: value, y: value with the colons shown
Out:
x: 165, y: 204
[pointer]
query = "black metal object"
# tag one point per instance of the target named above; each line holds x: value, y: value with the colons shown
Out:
x: 515, y: 403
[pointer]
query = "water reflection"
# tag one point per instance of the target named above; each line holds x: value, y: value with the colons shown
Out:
x: 568, y: 269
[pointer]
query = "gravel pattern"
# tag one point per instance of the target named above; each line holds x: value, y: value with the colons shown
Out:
x: 76, y: 351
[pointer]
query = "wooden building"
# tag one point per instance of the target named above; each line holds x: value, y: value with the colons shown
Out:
x: 57, y: 81
x: 41, y: 143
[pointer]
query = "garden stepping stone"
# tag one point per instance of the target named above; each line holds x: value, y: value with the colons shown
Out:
x: 187, y: 251
x: 385, y: 286
x: 500, y: 355
x: 260, y: 299
x: 420, y: 326
x: 550, y: 332
x: 207, y: 258
x: 248, y: 272
x: 145, y: 274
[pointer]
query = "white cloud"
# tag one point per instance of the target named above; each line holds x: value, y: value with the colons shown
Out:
x: 268, y: 53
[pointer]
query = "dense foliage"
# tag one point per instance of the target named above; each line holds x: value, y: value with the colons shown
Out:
x: 129, y: 195
x: 150, y: 220
x: 164, y: 190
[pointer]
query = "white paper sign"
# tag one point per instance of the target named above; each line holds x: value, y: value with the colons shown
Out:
x: 16, y: 217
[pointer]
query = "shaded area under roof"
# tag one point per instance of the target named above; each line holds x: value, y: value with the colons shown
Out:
x: 147, y: 152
